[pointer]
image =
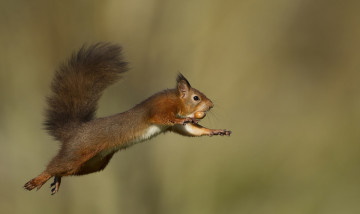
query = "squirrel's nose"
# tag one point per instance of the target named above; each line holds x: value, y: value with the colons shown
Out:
x: 211, y: 104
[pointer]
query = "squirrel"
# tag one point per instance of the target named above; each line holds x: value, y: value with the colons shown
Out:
x: 89, y: 143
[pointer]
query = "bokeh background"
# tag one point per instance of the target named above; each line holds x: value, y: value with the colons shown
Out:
x: 284, y: 77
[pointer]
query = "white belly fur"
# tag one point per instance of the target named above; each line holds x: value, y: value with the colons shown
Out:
x: 152, y: 131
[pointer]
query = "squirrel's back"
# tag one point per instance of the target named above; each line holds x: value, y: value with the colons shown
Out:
x: 78, y: 85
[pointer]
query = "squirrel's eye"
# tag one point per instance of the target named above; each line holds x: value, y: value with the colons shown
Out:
x: 196, y: 98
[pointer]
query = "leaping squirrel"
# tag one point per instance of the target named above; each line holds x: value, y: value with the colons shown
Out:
x: 88, y: 143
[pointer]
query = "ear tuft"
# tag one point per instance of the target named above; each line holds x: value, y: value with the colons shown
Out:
x: 183, y: 86
x: 180, y: 78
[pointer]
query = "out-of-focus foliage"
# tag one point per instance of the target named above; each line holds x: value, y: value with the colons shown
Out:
x: 284, y: 77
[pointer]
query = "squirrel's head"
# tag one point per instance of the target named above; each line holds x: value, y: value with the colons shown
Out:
x: 193, y: 100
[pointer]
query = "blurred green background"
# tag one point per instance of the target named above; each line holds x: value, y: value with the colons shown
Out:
x: 284, y: 77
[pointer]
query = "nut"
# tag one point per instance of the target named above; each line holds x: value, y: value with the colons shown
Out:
x: 199, y: 115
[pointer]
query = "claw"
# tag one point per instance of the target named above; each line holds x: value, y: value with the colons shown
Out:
x: 187, y: 120
x: 221, y: 132
x: 55, y: 185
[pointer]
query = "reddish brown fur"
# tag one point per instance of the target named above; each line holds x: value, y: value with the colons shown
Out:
x: 88, y: 144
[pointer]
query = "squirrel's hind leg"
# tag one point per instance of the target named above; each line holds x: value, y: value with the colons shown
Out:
x: 38, y: 181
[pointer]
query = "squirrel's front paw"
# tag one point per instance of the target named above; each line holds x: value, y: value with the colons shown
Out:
x: 221, y: 132
x: 190, y: 120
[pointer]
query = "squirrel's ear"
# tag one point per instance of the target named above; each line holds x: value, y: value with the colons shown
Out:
x: 183, y: 85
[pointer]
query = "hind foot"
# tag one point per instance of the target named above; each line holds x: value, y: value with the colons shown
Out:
x: 37, y: 182
x: 55, y: 185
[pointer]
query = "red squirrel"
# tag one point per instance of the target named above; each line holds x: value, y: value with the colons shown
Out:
x: 88, y: 143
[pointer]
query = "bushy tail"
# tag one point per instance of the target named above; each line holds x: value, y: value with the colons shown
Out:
x: 78, y: 85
